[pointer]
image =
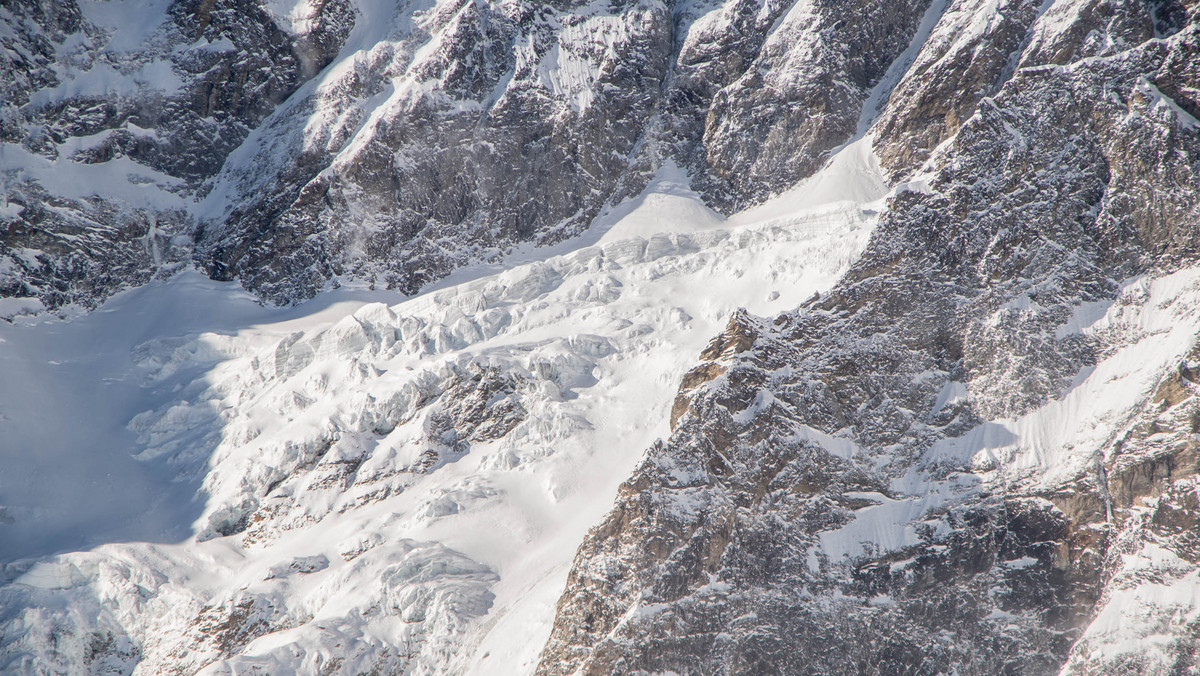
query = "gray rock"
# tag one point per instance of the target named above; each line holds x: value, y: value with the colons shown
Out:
x: 806, y: 434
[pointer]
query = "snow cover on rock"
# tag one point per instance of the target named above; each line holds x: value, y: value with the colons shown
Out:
x: 398, y: 487
x: 295, y: 144
x: 977, y: 451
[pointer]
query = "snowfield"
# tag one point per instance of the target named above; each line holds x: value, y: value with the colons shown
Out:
x: 293, y: 489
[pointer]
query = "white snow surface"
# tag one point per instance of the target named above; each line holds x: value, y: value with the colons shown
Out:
x: 128, y: 24
x: 120, y: 178
x: 186, y: 404
x: 1154, y: 600
x: 1150, y: 327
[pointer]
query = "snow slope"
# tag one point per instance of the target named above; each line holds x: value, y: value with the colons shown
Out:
x: 211, y: 415
x: 62, y: 499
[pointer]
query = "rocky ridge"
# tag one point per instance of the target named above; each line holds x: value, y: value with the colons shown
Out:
x: 880, y: 481
x: 511, y: 122
x: 337, y: 142
x: 974, y: 453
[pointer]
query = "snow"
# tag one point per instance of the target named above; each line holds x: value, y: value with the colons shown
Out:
x: 293, y: 16
x: 130, y: 24
x: 119, y: 178
x: 189, y: 400
x: 893, y: 524
x: 667, y: 205
x: 1152, y: 325
x: 571, y: 67
x: 17, y: 306
x: 131, y: 435
x: 74, y: 483
x: 850, y: 178
x: 1186, y: 119
x: 103, y: 80
x: 1154, y: 600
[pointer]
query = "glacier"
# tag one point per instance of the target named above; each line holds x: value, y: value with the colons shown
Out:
x: 237, y: 411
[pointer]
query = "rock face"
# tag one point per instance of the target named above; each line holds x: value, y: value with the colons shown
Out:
x: 893, y: 478
x: 433, y: 136
x: 972, y: 450
x: 470, y: 127
x: 115, y: 117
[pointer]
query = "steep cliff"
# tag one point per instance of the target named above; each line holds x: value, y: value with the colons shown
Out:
x: 973, y: 455
x: 948, y: 423
x: 332, y: 142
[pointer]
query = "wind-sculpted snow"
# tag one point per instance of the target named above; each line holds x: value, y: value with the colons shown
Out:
x: 401, y: 490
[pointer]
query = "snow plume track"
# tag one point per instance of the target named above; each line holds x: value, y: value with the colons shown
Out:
x: 395, y: 487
